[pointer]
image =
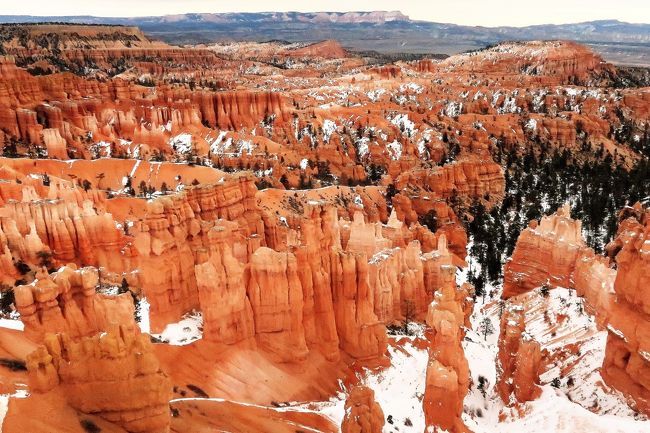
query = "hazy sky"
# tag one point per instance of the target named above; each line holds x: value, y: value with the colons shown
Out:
x: 472, y: 12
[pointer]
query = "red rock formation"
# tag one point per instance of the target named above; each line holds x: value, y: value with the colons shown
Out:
x: 447, y: 380
x: 554, y: 252
x: 519, y: 360
x: 66, y: 301
x: 362, y: 413
x: 114, y: 375
x: 546, y: 62
x: 627, y: 358
x: 469, y: 178
x: 326, y: 49
x: 546, y: 253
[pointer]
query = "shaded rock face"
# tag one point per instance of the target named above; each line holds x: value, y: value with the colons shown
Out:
x: 554, y: 253
x: 447, y: 377
x: 114, y: 375
x: 519, y: 360
x: 362, y: 413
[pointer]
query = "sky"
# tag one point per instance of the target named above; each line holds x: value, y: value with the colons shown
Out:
x: 468, y: 12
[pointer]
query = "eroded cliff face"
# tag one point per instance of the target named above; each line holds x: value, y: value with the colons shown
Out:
x: 114, y: 375
x: 553, y: 253
x: 546, y: 253
x: 348, y: 219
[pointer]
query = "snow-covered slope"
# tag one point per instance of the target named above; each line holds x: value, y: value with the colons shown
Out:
x: 574, y: 399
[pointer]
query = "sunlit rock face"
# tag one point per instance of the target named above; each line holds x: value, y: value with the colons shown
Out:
x: 546, y: 253
x: 362, y: 413
x: 447, y: 377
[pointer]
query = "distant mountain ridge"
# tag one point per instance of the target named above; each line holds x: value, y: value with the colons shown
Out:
x: 382, y: 31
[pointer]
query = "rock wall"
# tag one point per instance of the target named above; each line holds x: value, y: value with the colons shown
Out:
x: 114, y: 375
x: 546, y: 253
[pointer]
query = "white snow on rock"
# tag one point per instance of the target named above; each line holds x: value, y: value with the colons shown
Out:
x: 362, y: 146
x: 398, y: 389
x: 186, y: 331
x: 582, y: 404
x: 101, y: 149
x: 304, y: 163
x: 405, y: 125
x: 182, y: 143
x: 244, y: 146
x: 329, y: 127
x: 395, y: 150
x: 144, y: 323
x: 16, y: 324
x: 453, y: 109
x: 375, y: 95
x: 4, y: 401
x: 413, y: 87
x: 531, y: 124
x: 218, y: 146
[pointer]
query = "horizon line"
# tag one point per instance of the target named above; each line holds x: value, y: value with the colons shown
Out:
x: 408, y: 18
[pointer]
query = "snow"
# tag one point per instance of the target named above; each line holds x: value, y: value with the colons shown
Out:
x: 182, y: 143
x: 4, y: 401
x: 531, y: 124
x: 554, y: 321
x: 12, y: 324
x: 144, y: 323
x: 553, y: 412
x: 398, y: 388
x: 244, y: 146
x: 453, y: 109
x: 395, y: 150
x: 375, y: 95
x: 362, y: 146
x: 509, y: 105
x: 4, y: 405
x: 218, y: 146
x: 422, y: 149
x: 304, y: 163
x: 404, y: 124
x: 101, y: 149
x: 329, y: 127
x: 413, y: 87
x: 184, y: 332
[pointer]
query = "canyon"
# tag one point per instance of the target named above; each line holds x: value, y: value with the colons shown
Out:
x: 253, y: 237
